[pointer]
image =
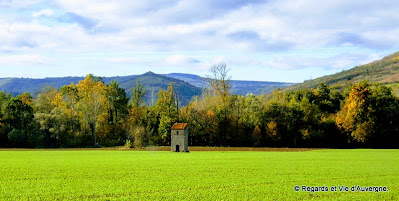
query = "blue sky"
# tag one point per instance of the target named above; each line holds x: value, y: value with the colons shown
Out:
x: 284, y: 40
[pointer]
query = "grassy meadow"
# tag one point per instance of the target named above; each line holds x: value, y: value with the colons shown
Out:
x: 209, y: 175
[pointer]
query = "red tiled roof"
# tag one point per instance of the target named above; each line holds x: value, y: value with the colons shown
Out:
x: 179, y: 126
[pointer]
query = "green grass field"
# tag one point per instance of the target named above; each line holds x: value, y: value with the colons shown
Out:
x: 209, y: 175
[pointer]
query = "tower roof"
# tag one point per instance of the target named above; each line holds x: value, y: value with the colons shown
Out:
x: 179, y: 126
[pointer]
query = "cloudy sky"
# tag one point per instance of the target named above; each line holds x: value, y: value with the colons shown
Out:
x: 267, y: 40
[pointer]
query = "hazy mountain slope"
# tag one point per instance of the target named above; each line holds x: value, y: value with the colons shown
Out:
x: 152, y: 83
x: 237, y: 86
x: 385, y: 70
x: 34, y: 86
x: 256, y: 87
x: 195, y: 80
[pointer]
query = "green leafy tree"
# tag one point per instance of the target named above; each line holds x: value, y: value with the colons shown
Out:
x: 51, y: 118
x: 4, y: 98
x: 118, y: 102
x: 139, y: 121
x: 137, y: 97
x: 168, y: 113
x: 114, y: 132
x: 385, y: 114
x: 327, y: 100
x: 18, y: 117
x: 284, y: 123
x: 70, y: 96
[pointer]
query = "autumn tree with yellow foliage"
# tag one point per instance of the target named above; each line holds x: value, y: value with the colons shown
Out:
x: 93, y: 104
x: 370, y: 115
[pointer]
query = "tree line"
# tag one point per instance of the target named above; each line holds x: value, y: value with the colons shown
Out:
x: 91, y: 113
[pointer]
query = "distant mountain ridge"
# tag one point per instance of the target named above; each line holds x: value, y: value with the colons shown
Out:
x: 239, y: 87
x: 186, y: 85
x: 385, y: 71
x: 35, y: 85
x: 152, y: 83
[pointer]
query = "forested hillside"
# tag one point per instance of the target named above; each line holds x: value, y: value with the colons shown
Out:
x: 384, y: 71
x: 238, y: 87
x: 154, y: 82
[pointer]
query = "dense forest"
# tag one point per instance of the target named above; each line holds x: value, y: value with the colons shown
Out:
x: 92, y: 113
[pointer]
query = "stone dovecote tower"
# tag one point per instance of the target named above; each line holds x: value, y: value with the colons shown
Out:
x: 179, y: 137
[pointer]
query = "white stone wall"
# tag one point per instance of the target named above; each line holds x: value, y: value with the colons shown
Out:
x: 179, y: 137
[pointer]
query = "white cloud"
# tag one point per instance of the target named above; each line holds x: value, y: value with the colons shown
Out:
x: 34, y: 36
x: 236, y: 32
x: 277, y: 25
x: 295, y: 62
x: 18, y: 3
x: 122, y: 60
x: 180, y: 59
x: 22, y: 60
x: 43, y: 12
